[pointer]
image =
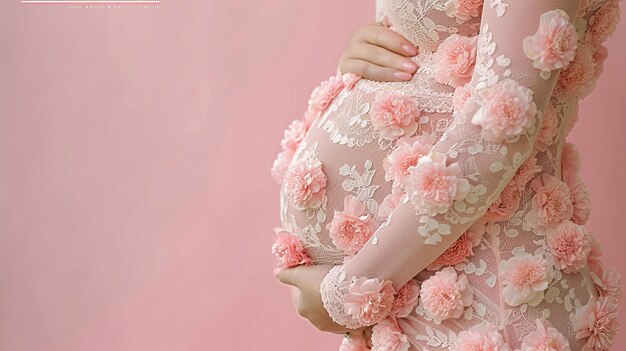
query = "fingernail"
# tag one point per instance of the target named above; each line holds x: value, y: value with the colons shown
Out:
x: 402, y: 75
x: 410, y: 49
x: 409, y: 66
x: 276, y: 270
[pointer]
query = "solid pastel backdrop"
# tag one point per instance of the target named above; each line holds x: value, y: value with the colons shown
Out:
x: 136, y: 205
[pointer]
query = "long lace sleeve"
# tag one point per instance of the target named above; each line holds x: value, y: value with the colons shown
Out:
x: 522, y: 46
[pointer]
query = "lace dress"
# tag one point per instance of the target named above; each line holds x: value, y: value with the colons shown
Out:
x: 451, y: 206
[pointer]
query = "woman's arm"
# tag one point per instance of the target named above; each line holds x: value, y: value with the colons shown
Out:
x: 470, y: 165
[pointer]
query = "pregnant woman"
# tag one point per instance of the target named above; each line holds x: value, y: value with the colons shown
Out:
x: 444, y: 210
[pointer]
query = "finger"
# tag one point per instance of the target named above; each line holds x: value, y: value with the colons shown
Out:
x: 385, y: 58
x: 372, y: 71
x: 390, y: 40
x: 287, y: 276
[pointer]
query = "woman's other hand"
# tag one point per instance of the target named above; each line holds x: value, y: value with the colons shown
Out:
x: 305, y: 282
x: 376, y: 52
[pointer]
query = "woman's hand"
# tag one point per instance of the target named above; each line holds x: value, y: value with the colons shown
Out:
x: 305, y: 282
x: 376, y: 52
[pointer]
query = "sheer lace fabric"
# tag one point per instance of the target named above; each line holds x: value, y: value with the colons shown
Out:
x: 408, y: 238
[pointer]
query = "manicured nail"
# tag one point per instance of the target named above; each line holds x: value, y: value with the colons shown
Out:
x: 402, y: 75
x: 409, y: 66
x: 410, y: 49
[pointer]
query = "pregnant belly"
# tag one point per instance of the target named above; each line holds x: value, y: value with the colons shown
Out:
x: 339, y: 184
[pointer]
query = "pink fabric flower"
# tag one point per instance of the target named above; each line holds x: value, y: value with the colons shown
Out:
x: 351, y: 228
x: 350, y: 80
x: 461, y: 249
x: 354, y: 342
x: 389, y: 203
x: 552, y: 202
x: 293, y: 135
x: 394, y: 115
x: 507, y: 110
x: 608, y: 282
x: 570, y: 163
x: 505, y: 206
x: 325, y: 93
x: 405, y: 155
x: 594, y: 259
x: 406, y: 299
x: 446, y: 294
x: 289, y: 250
x: 368, y: 301
x: 545, y: 338
x: 554, y: 44
x: 280, y: 165
x: 387, y: 336
x: 578, y: 78
x: 481, y: 337
x: 581, y: 202
x: 603, y: 23
x: 569, y: 244
x: 525, y: 277
x: 305, y: 184
x: 461, y: 95
x: 433, y: 187
x: 596, y: 321
x: 455, y: 60
x: 526, y: 172
x: 548, y: 130
x: 463, y: 10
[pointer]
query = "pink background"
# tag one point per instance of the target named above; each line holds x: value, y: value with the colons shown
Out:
x: 136, y: 205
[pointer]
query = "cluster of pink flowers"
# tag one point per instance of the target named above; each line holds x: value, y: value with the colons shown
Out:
x: 351, y: 228
x: 545, y: 337
x: 394, y: 114
x: 603, y: 23
x: 405, y: 155
x: 463, y: 10
x: 455, y: 60
x: 446, y: 295
x: 324, y: 94
x: 320, y: 99
x: 306, y: 184
x: 483, y: 336
x: 461, y: 249
x: 293, y: 135
x: 526, y: 277
x: 507, y: 110
x: 597, y: 322
x: 433, y: 186
x: 578, y: 78
x: 289, y: 250
x: 554, y: 44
